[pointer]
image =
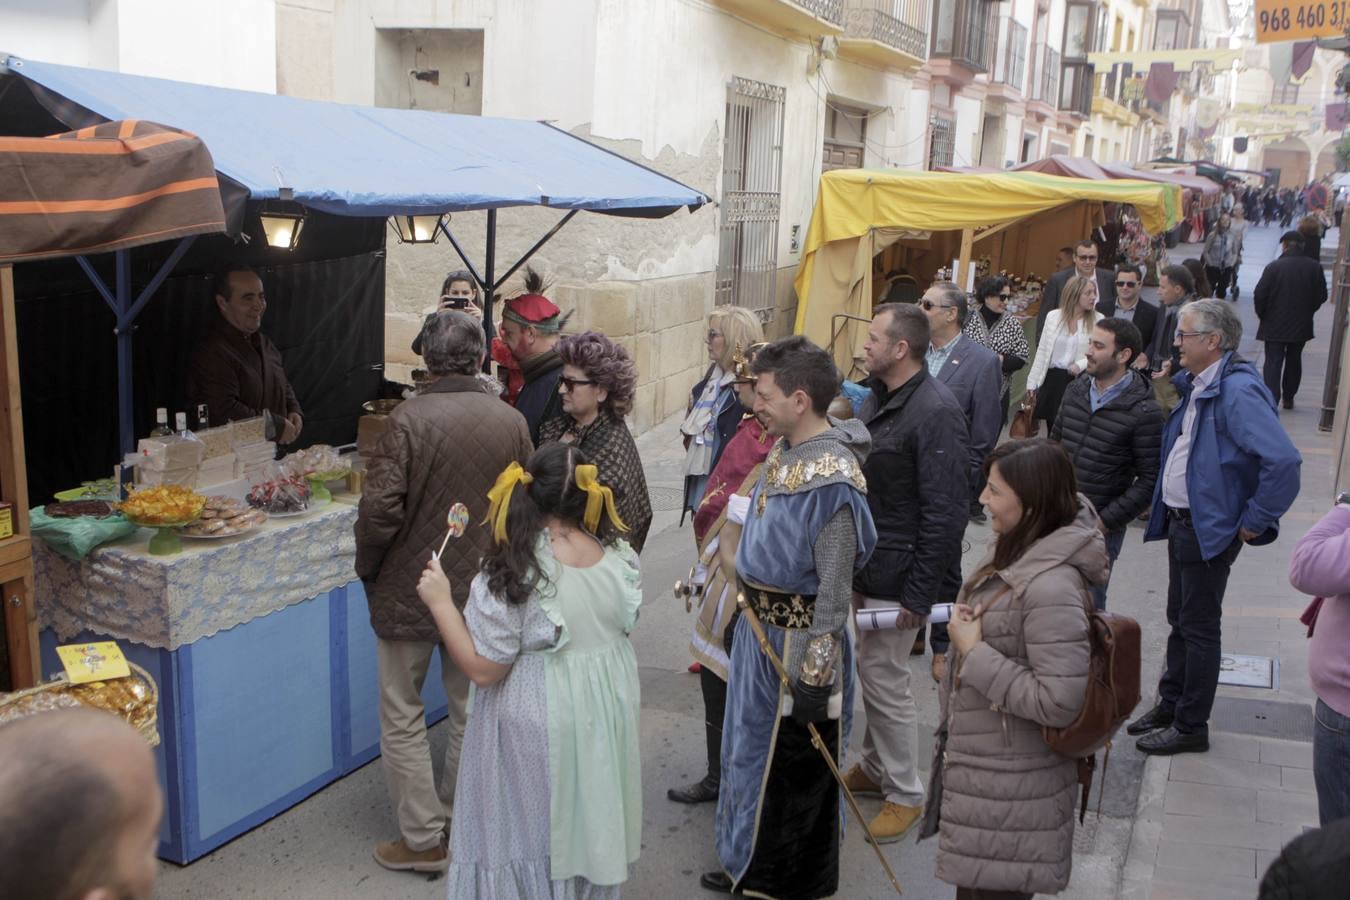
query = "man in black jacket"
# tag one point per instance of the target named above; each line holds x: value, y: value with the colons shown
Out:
x: 1128, y: 305
x: 917, y: 492
x: 1085, y: 256
x: 1289, y: 293
x: 1111, y: 428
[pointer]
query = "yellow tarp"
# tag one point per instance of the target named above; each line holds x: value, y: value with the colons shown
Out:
x: 858, y: 212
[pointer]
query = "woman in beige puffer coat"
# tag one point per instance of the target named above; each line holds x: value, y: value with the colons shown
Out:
x: 1002, y: 801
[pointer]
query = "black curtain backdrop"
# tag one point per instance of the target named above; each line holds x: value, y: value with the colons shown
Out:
x: 325, y: 312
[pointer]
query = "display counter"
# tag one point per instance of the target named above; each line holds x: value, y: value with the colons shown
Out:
x: 262, y: 649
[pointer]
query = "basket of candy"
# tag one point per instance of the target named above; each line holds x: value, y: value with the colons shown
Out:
x: 134, y: 699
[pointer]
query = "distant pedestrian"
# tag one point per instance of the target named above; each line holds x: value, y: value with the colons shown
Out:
x: 1217, y: 255
x: 1291, y: 290
x: 443, y: 446
x: 1110, y: 426
x: 1237, y: 229
x: 1175, y: 288
x: 714, y: 410
x: 597, y: 386
x: 1019, y: 663
x: 994, y: 326
x: 1320, y: 565
x: 1061, y: 355
x: 1228, y: 473
x: 550, y: 788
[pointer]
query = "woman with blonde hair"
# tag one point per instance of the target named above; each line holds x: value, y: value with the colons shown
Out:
x: 714, y: 410
x: 1062, y: 353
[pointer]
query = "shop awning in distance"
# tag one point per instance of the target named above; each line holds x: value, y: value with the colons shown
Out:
x: 367, y: 161
x: 107, y: 187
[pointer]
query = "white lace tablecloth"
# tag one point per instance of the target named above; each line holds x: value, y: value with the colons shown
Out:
x: 121, y: 590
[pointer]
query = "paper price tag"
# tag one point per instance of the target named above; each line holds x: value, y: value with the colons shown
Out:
x: 102, y: 661
x: 1294, y: 20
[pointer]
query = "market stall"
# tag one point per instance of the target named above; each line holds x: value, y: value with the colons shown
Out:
x: 1007, y: 221
x: 259, y: 638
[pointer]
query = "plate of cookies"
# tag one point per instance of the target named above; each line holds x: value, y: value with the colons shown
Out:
x: 223, y: 517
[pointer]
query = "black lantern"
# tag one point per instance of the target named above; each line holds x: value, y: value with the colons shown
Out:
x: 418, y: 229
x: 282, y: 224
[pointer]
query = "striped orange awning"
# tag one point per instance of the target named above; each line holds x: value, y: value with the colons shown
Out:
x: 106, y: 187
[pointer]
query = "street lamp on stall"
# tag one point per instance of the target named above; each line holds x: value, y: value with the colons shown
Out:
x: 418, y: 229
x: 282, y: 224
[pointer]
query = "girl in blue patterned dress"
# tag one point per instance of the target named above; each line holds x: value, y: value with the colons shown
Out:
x: 549, y: 798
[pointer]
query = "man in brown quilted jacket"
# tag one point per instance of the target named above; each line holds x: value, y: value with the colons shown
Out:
x: 446, y: 445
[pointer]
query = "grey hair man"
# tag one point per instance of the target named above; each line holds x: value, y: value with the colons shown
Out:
x: 448, y: 444
x: 1229, y: 472
x: 80, y: 806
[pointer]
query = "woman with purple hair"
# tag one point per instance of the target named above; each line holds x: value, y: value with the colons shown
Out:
x: 597, y: 386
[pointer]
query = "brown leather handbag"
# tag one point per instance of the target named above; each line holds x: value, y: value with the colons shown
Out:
x: 1112, y: 690
x: 1022, y: 425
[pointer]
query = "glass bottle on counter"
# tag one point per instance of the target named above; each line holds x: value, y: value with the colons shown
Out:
x: 161, y: 423
x: 180, y: 425
x: 203, y: 417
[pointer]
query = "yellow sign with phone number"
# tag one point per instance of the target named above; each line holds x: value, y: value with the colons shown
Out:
x: 1291, y: 20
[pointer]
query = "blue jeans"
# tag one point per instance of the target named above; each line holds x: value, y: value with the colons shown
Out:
x: 1114, y: 541
x: 1331, y: 763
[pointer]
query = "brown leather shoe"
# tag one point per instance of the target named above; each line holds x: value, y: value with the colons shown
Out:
x: 856, y: 780
x: 894, y: 822
x: 939, y: 667
x: 396, y: 855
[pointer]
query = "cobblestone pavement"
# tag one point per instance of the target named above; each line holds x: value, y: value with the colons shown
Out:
x: 1190, y: 827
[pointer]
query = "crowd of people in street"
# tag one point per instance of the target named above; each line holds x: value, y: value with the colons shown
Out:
x: 813, y: 502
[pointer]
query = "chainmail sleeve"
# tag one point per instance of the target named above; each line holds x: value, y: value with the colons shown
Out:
x: 835, y: 550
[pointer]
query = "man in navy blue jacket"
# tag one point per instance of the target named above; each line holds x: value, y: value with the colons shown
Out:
x: 1229, y: 472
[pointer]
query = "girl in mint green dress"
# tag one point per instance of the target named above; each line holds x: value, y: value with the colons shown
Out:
x: 549, y: 798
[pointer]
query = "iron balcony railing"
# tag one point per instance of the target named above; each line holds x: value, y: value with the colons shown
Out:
x: 964, y: 31
x: 1010, y: 67
x: 1045, y: 78
x: 902, y: 24
x: 829, y: 10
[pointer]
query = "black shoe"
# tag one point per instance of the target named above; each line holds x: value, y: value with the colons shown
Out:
x: 1289, y: 404
x: 717, y: 882
x: 920, y: 645
x: 1170, y: 741
x: 702, y: 791
x: 1152, y: 720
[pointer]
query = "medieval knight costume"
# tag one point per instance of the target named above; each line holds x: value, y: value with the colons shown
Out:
x: 807, y: 530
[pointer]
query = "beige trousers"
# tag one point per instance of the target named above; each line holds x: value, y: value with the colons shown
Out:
x: 890, y: 747
x: 423, y: 805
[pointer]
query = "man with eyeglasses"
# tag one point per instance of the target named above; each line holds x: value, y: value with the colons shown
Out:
x: 1176, y: 287
x: 1085, y: 256
x: 1229, y: 472
x: 531, y: 327
x: 1133, y: 308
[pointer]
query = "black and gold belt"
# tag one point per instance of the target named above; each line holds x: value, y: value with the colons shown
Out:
x: 778, y: 608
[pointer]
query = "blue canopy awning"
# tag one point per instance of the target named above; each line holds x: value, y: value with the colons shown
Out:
x: 367, y: 161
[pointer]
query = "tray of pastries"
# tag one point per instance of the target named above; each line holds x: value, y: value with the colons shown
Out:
x: 224, y: 517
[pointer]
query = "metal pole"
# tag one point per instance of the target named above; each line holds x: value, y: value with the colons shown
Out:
x: 1340, y: 293
x: 126, y: 428
x: 489, y: 273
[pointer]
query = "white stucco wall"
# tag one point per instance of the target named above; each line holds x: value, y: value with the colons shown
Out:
x: 204, y: 41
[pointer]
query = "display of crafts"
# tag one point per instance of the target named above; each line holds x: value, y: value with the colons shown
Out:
x: 161, y: 507
x: 283, y: 495
x: 224, y: 517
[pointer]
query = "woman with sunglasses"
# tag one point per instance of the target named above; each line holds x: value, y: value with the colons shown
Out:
x: 1000, y: 331
x: 549, y: 797
x: 597, y: 386
x: 1061, y: 355
x: 1001, y: 798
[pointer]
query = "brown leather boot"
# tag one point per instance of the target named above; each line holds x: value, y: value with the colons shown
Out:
x: 396, y: 855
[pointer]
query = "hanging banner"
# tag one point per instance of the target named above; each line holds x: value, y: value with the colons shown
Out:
x: 1292, y: 20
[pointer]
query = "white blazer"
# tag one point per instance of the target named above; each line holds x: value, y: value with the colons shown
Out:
x: 1053, y: 326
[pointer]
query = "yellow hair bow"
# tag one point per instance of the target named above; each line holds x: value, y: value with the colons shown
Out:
x: 597, y: 496
x: 499, y: 498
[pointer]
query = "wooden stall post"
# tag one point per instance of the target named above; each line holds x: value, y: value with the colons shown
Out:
x: 16, y: 552
x: 967, y: 249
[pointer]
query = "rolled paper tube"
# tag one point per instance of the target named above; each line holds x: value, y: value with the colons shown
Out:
x: 884, y: 617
